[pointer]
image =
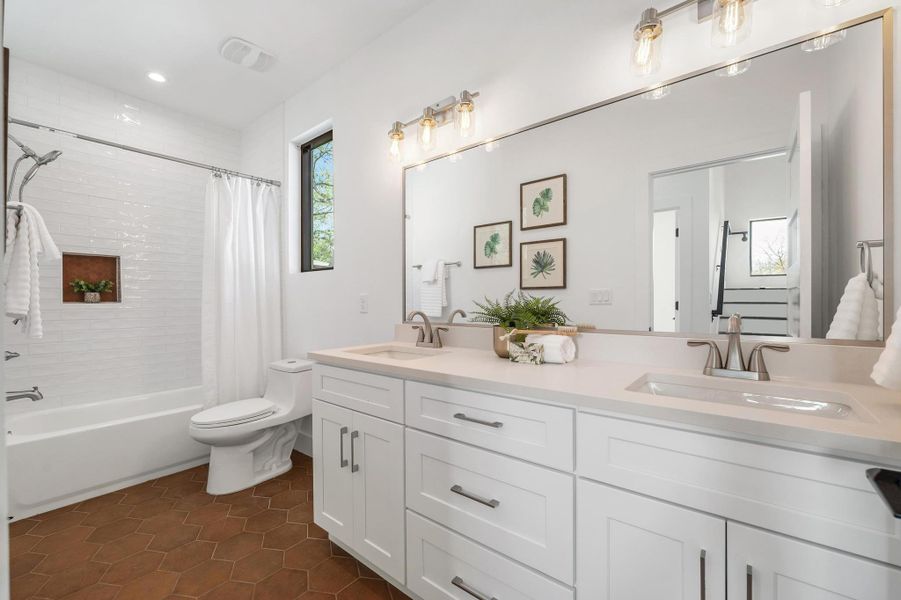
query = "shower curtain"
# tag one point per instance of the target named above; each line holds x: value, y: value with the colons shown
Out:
x: 241, y: 320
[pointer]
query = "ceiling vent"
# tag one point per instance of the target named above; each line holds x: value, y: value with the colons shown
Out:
x: 246, y: 54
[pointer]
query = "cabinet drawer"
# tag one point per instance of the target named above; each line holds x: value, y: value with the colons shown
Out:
x: 535, y: 432
x: 818, y: 498
x: 519, y: 509
x: 438, y: 557
x: 374, y: 395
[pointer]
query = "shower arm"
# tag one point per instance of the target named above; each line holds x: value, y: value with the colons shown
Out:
x: 12, y: 177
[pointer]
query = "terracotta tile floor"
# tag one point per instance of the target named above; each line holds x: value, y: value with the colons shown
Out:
x: 168, y: 539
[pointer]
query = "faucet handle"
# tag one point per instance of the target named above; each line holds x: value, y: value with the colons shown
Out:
x: 756, y: 363
x: 714, y: 358
x: 421, y: 336
x: 439, y: 343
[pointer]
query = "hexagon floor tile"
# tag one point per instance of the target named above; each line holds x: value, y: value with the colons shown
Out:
x: 168, y: 539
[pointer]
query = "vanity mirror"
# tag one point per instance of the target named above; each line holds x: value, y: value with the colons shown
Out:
x: 761, y: 188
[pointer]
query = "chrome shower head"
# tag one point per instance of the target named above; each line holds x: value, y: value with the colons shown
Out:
x: 48, y: 158
x: 39, y: 162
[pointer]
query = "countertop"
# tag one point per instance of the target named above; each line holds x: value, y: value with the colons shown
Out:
x: 599, y: 387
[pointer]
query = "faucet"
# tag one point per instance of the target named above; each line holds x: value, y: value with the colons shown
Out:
x: 34, y: 394
x: 734, y: 367
x: 427, y: 338
x: 460, y: 312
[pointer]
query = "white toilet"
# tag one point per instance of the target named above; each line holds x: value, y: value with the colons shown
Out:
x: 252, y: 439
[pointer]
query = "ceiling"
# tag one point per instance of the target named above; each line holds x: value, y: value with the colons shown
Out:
x: 114, y: 43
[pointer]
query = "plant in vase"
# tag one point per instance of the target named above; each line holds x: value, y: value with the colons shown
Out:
x: 90, y: 290
x: 517, y: 311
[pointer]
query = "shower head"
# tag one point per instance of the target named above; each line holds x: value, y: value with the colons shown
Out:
x: 48, y: 158
x: 39, y: 162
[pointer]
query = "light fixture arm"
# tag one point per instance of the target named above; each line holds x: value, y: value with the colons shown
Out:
x: 441, y: 110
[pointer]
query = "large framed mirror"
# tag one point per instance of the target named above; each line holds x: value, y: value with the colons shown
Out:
x: 762, y: 188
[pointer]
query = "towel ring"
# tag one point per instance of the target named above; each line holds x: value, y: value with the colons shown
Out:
x: 866, y: 260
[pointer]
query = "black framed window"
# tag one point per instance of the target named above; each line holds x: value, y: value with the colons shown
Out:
x: 768, y: 247
x: 317, y: 204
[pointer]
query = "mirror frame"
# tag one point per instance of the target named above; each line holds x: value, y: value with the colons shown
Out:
x: 887, y: 18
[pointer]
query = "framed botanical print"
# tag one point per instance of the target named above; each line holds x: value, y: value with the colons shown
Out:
x: 542, y: 203
x: 542, y: 264
x: 491, y: 245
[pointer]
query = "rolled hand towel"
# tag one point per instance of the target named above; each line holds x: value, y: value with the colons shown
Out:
x: 887, y: 371
x: 558, y: 349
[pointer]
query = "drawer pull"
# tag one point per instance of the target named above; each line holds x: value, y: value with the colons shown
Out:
x: 457, y: 581
x: 703, y: 575
x: 750, y: 582
x: 354, y: 467
x: 341, y: 447
x: 489, y: 503
x: 463, y: 417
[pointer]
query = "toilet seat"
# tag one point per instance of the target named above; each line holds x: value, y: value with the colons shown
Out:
x: 233, y: 413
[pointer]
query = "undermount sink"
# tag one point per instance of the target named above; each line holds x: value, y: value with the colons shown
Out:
x: 397, y: 352
x: 802, y: 401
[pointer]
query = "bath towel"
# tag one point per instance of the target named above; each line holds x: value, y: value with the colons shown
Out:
x: 857, y: 315
x: 559, y: 349
x: 887, y: 371
x: 433, y: 288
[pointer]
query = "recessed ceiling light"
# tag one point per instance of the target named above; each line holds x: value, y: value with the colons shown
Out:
x: 157, y: 77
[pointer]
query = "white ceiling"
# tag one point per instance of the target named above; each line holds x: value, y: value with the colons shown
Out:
x: 114, y: 43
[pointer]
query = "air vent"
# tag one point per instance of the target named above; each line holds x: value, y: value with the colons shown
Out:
x: 246, y: 54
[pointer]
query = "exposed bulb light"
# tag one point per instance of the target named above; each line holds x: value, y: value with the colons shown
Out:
x: 396, y: 143
x: 824, y: 41
x: 646, y: 44
x: 428, y: 129
x: 492, y: 145
x: 731, y: 22
x: 465, y: 115
x: 657, y: 93
x: 735, y: 69
x: 157, y: 77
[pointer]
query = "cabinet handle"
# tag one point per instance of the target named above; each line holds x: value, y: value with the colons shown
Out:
x: 354, y: 467
x: 703, y: 574
x: 463, y: 417
x: 457, y: 581
x: 750, y: 582
x: 489, y: 503
x: 341, y: 447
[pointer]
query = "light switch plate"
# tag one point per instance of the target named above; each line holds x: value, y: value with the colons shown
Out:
x: 600, y: 297
x: 364, y: 303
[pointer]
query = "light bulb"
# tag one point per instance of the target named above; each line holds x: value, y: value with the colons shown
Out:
x: 646, y: 44
x: 465, y: 115
x: 396, y: 142
x: 428, y: 130
x: 731, y: 22
x: 657, y: 93
x: 735, y: 69
x: 824, y: 41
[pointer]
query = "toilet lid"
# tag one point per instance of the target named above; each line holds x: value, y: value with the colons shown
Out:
x: 234, y: 413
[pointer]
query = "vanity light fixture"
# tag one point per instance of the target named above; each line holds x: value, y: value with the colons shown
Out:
x: 646, y: 43
x: 459, y: 111
x: 465, y: 115
x: 734, y: 70
x: 731, y: 22
x: 396, y: 147
x: 428, y: 129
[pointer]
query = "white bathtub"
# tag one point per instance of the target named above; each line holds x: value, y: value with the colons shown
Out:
x: 64, y: 455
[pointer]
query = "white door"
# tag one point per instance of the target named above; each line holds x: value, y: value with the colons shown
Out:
x: 665, y: 267
x: 332, y: 482
x: 377, y: 462
x: 634, y: 548
x: 767, y: 566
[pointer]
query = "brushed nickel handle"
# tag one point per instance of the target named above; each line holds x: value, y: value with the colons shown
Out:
x: 703, y: 574
x: 457, y: 581
x: 354, y: 467
x: 492, y: 503
x: 341, y: 447
x: 750, y: 582
x: 714, y: 357
x: 463, y: 417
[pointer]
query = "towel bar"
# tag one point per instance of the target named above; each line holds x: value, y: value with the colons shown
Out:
x: 447, y: 264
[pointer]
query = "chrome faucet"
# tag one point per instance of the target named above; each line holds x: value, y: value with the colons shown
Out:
x: 34, y: 394
x: 460, y: 312
x: 428, y: 337
x: 735, y: 363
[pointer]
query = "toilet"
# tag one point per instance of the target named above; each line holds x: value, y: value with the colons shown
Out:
x: 252, y: 439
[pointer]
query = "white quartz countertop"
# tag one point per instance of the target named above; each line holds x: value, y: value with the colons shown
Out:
x: 873, y: 435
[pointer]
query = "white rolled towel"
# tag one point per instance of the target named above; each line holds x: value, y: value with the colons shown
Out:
x: 887, y: 371
x: 558, y: 349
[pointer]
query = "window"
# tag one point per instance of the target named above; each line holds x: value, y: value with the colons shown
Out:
x: 317, y: 197
x: 769, y: 247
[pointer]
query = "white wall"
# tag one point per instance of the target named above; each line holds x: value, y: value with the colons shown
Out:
x: 581, y: 58
x: 101, y: 200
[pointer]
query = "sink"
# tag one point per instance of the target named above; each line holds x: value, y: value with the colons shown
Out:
x: 764, y: 395
x: 397, y: 352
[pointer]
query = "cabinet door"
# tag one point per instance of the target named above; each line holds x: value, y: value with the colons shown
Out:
x: 768, y: 566
x: 633, y: 548
x: 332, y: 481
x: 378, y: 487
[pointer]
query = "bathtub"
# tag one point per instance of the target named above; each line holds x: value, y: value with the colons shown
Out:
x: 65, y: 455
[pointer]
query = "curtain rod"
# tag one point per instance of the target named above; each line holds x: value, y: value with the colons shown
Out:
x: 183, y: 161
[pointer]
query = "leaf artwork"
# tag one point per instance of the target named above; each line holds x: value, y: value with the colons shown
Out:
x: 542, y: 202
x: 491, y: 246
x: 543, y: 264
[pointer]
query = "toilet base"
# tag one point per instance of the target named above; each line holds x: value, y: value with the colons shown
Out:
x: 235, y: 468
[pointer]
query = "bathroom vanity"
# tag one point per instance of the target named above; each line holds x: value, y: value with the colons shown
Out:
x: 459, y: 475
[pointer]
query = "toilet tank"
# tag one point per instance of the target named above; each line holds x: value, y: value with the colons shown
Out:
x: 289, y: 384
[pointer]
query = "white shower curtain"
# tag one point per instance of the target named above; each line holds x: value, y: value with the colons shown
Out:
x: 241, y: 320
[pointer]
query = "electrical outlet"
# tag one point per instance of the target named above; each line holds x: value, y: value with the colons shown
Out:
x: 601, y: 297
x: 364, y: 303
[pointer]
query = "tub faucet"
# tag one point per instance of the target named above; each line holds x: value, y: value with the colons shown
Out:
x: 427, y: 338
x: 34, y: 394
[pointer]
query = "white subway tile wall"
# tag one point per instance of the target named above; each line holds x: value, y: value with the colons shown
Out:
x: 101, y: 200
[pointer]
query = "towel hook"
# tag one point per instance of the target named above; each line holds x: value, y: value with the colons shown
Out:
x: 866, y: 260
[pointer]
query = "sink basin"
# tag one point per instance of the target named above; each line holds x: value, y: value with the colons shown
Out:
x: 397, y: 352
x: 769, y: 396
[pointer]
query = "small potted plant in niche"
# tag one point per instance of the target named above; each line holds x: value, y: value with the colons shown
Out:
x: 517, y: 311
x: 90, y: 290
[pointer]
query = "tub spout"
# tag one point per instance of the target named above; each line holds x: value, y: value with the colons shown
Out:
x: 34, y: 394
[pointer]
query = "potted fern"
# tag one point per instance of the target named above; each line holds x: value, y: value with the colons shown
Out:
x: 517, y: 311
x: 90, y: 290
